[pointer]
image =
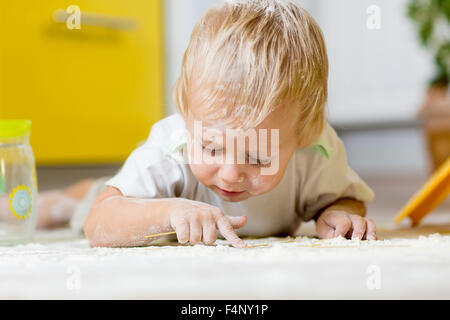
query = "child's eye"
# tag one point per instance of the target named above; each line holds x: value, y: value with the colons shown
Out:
x: 264, y: 163
x: 211, y: 151
x: 258, y: 162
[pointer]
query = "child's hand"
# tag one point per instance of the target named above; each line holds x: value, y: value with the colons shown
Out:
x: 198, y: 222
x: 333, y: 223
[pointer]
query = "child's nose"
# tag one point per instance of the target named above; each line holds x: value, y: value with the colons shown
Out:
x: 231, y: 173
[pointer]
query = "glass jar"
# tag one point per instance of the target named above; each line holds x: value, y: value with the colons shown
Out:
x: 18, y: 185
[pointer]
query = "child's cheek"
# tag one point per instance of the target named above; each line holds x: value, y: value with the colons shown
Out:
x: 204, y: 173
x: 260, y: 184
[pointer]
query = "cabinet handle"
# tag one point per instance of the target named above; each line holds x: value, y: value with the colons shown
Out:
x: 98, y: 20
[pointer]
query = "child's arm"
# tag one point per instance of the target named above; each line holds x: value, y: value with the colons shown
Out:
x: 345, y: 217
x: 119, y: 221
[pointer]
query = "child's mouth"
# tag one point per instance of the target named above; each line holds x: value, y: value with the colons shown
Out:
x: 229, y: 193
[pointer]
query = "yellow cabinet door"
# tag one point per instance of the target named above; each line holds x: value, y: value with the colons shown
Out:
x: 92, y: 93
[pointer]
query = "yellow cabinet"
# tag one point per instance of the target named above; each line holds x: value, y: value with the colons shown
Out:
x: 92, y: 93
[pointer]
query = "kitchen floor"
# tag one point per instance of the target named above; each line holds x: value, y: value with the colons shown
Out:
x: 404, y: 263
x: 60, y: 177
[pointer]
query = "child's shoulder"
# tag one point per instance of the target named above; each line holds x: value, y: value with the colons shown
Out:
x: 166, y: 132
x: 169, y: 124
x: 164, y: 145
x: 325, y: 147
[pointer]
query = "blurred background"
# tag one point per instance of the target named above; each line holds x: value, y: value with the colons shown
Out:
x: 93, y: 93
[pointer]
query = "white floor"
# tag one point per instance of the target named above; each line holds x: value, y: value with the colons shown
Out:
x: 405, y: 263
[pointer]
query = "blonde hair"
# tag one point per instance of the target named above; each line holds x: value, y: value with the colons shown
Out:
x: 247, y: 58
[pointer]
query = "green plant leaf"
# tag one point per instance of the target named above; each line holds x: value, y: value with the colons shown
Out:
x: 426, y: 14
x: 426, y: 31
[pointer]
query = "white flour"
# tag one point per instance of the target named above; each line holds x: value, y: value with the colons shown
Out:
x: 267, y: 5
x: 286, y: 268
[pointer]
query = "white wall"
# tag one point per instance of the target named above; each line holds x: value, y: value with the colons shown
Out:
x: 375, y: 74
x: 388, y: 152
x: 180, y: 18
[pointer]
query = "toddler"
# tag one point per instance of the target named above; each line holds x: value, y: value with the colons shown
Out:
x: 250, y: 152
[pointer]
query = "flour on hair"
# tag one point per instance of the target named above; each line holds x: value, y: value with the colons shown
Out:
x: 267, y: 5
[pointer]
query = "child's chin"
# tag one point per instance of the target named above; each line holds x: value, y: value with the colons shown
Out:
x: 238, y: 198
x: 233, y: 199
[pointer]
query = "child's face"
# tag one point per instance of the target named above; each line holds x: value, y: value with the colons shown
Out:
x: 219, y: 167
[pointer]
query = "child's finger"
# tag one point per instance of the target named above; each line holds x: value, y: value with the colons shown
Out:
x: 371, y: 233
x: 182, y: 230
x: 209, y: 232
x: 227, y: 231
x: 237, y: 222
x: 342, y: 224
x: 359, y: 226
x: 195, y: 231
x: 324, y: 231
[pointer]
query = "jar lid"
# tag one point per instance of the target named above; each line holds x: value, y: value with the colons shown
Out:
x: 14, y: 128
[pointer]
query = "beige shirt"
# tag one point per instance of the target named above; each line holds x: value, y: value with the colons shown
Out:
x: 315, y: 177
